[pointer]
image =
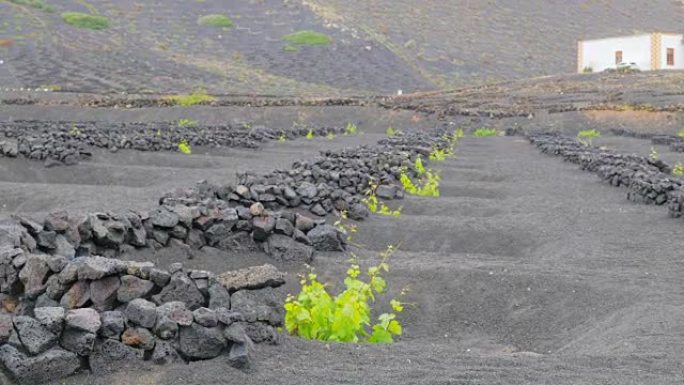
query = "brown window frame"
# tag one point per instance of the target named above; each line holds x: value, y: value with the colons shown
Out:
x: 670, y: 57
x: 618, y: 57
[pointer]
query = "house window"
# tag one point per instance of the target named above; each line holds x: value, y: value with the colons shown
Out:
x: 618, y: 57
x: 670, y: 56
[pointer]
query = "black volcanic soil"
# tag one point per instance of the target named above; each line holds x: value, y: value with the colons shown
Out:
x: 525, y: 271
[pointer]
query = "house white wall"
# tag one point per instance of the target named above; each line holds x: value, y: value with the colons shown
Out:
x: 672, y: 41
x: 599, y: 55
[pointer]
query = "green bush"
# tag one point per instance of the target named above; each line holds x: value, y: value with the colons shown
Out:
x: 217, y: 21
x: 316, y: 315
x: 482, y: 132
x: 427, y: 186
x: 37, y: 4
x: 678, y: 169
x: 585, y: 136
x: 307, y: 38
x: 85, y: 20
x: 195, y: 98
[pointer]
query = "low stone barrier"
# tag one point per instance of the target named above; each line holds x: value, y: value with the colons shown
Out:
x: 66, y: 143
x: 648, y: 181
x: 92, y: 312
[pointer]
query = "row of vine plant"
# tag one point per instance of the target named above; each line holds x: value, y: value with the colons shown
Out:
x: 317, y: 314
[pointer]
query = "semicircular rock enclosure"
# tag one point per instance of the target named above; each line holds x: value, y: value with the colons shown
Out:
x: 78, y: 295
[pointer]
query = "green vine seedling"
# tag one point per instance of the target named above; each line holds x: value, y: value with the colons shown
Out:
x: 315, y: 314
x: 678, y: 169
x: 184, y: 147
x: 482, y: 132
x: 585, y: 137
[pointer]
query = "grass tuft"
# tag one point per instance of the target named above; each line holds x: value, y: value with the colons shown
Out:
x: 482, y: 132
x: 85, y: 20
x: 37, y: 4
x: 307, y: 38
x: 197, y: 97
x: 216, y: 21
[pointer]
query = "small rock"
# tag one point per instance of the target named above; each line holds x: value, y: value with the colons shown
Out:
x: 139, y: 338
x: 6, y: 327
x: 262, y: 227
x: 160, y: 277
x: 205, y: 317
x: 181, y: 288
x: 254, y: 277
x: 35, y: 337
x: 133, y: 287
x: 108, y: 351
x: 142, y: 312
x: 112, y: 324
x: 164, y: 353
x: 256, y: 209
x: 239, y: 356
x: 85, y: 319
x: 262, y: 304
x: 284, y: 248
x: 34, y: 273
x: 78, y: 341
x: 50, y: 317
x: 228, y: 317
x: 77, y: 296
x: 93, y: 268
x: 103, y: 292
x: 52, y: 365
x: 162, y: 217
x: 199, y: 342
x: 326, y: 238
x: 218, y: 296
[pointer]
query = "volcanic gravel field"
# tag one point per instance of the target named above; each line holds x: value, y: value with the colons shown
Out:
x: 526, y: 270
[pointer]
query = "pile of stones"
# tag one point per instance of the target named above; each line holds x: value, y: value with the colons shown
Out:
x: 94, y: 312
x: 65, y: 143
x: 335, y: 181
x: 649, y: 181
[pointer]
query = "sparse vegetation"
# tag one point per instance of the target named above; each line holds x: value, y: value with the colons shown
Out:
x: 587, y: 70
x: 653, y: 154
x: 307, y: 38
x: 197, y: 97
x: 282, y: 138
x: 184, y: 147
x: 351, y: 129
x: 73, y: 131
x: 438, y: 154
x: 586, y: 137
x: 482, y: 132
x: 678, y: 169
x: 37, y: 4
x: 187, y: 123
x: 310, y: 135
x: 681, y: 133
x: 216, y: 21
x: 376, y: 206
x: 316, y: 315
x: 391, y: 132
x: 330, y: 136
x: 290, y: 48
x: 85, y: 20
x: 427, y: 186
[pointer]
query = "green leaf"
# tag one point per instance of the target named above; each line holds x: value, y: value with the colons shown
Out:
x: 378, y: 284
x: 394, y: 327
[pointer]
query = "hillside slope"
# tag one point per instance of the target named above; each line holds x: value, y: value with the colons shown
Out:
x: 377, y: 46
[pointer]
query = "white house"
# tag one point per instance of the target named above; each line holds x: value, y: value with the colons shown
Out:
x: 651, y: 51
